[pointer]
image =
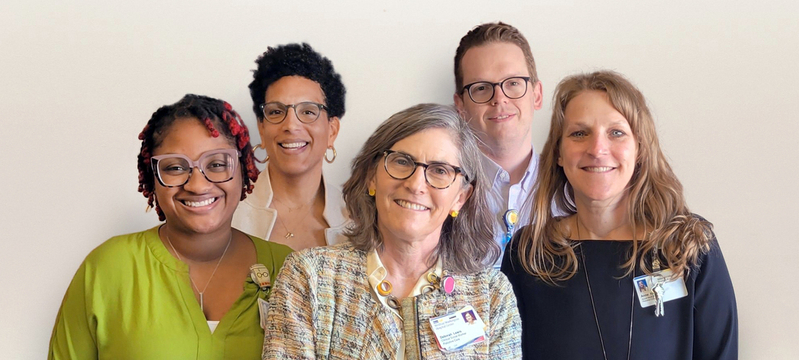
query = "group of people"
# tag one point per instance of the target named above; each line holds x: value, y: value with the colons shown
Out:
x: 452, y: 238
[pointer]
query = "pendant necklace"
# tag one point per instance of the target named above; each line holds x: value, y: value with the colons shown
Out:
x: 202, y: 307
x: 593, y: 304
x: 289, y: 233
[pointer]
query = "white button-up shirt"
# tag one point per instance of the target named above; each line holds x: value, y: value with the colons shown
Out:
x: 504, y: 196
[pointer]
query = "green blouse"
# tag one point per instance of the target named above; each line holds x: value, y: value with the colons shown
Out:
x: 131, y: 299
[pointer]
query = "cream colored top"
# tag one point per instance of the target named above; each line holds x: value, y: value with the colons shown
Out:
x: 377, y: 273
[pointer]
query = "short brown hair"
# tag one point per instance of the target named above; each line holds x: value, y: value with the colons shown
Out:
x: 467, y: 243
x: 490, y: 33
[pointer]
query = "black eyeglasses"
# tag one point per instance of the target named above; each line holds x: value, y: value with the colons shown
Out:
x: 482, y: 92
x: 307, y: 111
x: 439, y: 175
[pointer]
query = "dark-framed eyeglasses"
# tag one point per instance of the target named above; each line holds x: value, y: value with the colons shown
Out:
x: 217, y: 166
x: 306, y: 111
x: 439, y: 175
x: 482, y: 92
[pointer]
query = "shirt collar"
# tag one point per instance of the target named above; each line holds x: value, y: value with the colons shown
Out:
x: 377, y: 273
x: 493, y: 171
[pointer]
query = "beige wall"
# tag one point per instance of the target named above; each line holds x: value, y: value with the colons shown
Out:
x: 78, y: 83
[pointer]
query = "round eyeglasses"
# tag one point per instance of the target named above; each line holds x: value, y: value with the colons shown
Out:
x: 439, y: 175
x: 217, y: 166
x: 307, y: 111
x: 482, y: 92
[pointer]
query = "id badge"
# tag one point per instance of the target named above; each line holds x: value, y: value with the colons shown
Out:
x: 459, y: 329
x: 674, y: 288
x: 263, y: 308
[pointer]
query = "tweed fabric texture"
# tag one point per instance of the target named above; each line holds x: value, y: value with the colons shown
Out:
x: 321, y: 308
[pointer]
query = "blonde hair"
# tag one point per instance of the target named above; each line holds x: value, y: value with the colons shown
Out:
x: 656, y: 203
x: 466, y: 244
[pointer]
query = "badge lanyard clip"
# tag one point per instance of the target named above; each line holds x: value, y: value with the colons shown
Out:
x: 511, y: 217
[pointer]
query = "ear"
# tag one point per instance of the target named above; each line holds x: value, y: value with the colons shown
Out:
x: 372, y: 184
x: 459, y: 105
x: 538, y: 95
x: 262, y: 124
x: 333, y: 125
x: 464, y: 194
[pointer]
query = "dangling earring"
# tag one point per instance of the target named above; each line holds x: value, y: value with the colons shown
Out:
x: 372, y: 192
x: 256, y: 159
x: 330, y: 161
x: 454, y: 213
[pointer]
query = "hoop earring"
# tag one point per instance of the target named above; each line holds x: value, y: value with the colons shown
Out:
x: 330, y: 161
x: 256, y: 158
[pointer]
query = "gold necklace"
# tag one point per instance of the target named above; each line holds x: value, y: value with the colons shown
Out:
x: 289, y: 233
x: 202, y: 307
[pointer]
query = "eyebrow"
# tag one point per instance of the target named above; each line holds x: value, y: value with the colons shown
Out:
x: 442, y: 162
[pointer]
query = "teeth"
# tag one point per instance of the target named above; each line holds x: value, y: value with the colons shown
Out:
x: 503, y: 117
x: 599, y: 169
x: 199, y: 203
x: 410, y: 205
x: 293, y: 145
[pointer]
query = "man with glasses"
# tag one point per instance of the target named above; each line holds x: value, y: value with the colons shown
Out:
x: 497, y: 91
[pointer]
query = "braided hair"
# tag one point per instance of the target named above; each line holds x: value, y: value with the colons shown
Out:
x: 218, y: 117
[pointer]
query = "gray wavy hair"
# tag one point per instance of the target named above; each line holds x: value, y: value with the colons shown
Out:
x: 466, y: 244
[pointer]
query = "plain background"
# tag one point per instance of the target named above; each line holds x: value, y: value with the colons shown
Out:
x: 78, y: 81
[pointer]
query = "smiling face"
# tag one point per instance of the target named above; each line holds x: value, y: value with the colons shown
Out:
x: 411, y: 210
x: 199, y: 206
x: 296, y: 148
x: 597, y: 150
x: 501, y: 121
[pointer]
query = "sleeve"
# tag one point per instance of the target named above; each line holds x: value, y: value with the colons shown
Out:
x: 511, y: 268
x: 74, y: 335
x: 289, y: 332
x: 715, y: 309
x: 505, y: 330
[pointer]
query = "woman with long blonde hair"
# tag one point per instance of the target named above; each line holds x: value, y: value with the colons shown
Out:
x: 629, y: 272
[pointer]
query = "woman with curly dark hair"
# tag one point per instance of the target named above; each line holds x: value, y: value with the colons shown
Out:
x: 298, y: 99
x: 629, y: 272
x: 192, y: 287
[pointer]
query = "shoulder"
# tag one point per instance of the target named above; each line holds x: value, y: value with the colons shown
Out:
x: 122, y: 248
x: 328, y: 257
x: 270, y: 252
x: 493, y: 280
x: 335, y: 212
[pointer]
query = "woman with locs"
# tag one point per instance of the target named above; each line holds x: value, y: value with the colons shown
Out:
x: 192, y: 287
x: 578, y: 277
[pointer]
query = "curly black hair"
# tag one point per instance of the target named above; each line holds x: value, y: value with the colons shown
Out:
x: 218, y: 117
x: 299, y: 60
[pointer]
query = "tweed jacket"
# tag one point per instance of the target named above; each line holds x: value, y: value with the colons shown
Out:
x: 322, y: 308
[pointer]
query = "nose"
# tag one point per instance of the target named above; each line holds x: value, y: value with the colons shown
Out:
x: 598, y: 146
x: 499, y: 95
x: 416, y: 183
x: 291, y: 122
x: 197, y: 182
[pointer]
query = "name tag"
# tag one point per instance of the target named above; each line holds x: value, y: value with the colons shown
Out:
x: 674, y: 288
x: 459, y: 329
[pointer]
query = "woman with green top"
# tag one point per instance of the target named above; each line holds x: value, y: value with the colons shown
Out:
x: 192, y: 287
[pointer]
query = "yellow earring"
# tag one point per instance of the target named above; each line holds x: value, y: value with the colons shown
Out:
x: 454, y: 213
x: 371, y: 192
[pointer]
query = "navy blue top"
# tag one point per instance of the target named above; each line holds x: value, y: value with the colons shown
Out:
x: 558, y: 321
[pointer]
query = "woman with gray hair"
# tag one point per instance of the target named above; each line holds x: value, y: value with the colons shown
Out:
x: 419, y: 256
